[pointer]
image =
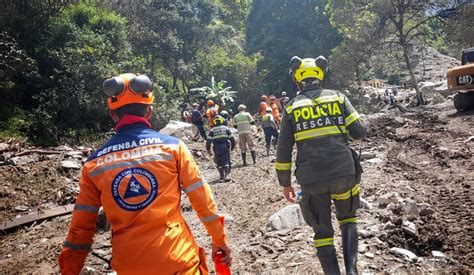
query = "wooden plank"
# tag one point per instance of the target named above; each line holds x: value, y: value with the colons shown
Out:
x: 37, y: 216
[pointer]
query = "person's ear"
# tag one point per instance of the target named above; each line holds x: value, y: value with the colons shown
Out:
x: 149, y: 112
x: 114, y: 116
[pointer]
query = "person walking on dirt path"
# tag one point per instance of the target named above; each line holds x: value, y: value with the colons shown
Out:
x: 263, y: 105
x: 212, y: 112
x: 283, y: 100
x: 187, y: 116
x: 320, y: 121
x: 223, y: 142
x: 138, y: 177
x: 270, y: 129
x: 243, y: 121
x: 224, y: 114
x: 275, y: 110
x: 198, y: 120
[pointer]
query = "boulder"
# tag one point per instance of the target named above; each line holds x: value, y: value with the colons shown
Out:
x: 365, y: 204
x: 367, y: 155
x: 179, y: 129
x: 4, y: 146
x: 286, y: 218
x: 71, y: 164
x: 438, y: 254
x: 387, y: 198
x: 22, y: 160
x: 429, y: 89
x: 410, y: 228
x: 406, y: 254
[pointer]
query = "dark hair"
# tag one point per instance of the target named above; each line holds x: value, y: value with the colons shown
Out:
x: 136, y: 109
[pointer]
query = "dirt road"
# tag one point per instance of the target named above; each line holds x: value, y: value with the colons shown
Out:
x: 420, y: 173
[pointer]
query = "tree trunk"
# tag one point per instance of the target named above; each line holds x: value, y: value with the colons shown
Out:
x: 419, y: 95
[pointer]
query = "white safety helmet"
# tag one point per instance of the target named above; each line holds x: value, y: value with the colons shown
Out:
x: 242, y: 107
x: 268, y: 110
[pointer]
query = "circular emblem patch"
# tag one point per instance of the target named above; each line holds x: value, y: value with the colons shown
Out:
x: 134, y: 188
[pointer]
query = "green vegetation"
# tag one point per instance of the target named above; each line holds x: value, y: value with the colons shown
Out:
x: 54, y: 55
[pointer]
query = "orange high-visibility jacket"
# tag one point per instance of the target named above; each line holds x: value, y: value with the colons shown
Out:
x: 262, y: 108
x: 211, y: 113
x: 275, y: 112
x: 138, y: 177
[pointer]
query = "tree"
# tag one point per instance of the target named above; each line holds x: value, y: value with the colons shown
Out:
x: 280, y: 29
x: 402, y: 22
x: 358, y: 26
x: 217, y: 92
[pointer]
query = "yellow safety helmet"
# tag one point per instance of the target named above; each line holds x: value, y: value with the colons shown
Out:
x: 128, y: 89
x: 302, y: 69
x: 218, y: 120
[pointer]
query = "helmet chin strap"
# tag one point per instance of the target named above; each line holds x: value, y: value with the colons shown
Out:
x: 313, y: 85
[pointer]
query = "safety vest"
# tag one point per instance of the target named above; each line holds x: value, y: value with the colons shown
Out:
x: 138, y: 177
x: 243, y: 121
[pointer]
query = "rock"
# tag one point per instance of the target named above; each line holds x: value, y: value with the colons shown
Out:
x: 406, y: 254
x: 228, y: 218
x: 426, y: 212
x: 409, y: 208
x: 381, y: 148
x: 2, y: 157
x: 22, y: 160
x: 3, y: 146
x: 471, y: 138
x: 22, y: 208
x: 374, y: 161
x: 437, y: 98
x: 71, y: 164
x: 180, y: 129
x: 387, y: 198
x: 410, y: 228
x: 43, y: 240
x: 367, y: 155
x: 400, y: 120
x: 438, y: 254
x: 286, y: 218
x: 369, y: 255
x: 365, y: 234
x: 365, y: 204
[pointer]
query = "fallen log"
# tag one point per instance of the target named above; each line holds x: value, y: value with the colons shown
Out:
x: 41, y: 215
x: 37, y: 151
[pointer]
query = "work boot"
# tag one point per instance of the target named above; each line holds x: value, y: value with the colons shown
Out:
x: 350, y: 247
x: 244, y: 158
x: 268, y: 150
x: 328, y: 259
x: 227, y: 174
x: 221, y: 172
x: 254, y: 156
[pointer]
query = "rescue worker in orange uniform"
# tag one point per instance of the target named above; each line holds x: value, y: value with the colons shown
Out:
x: 212, y: 112
x: 263, y: 106
x: 275, y: 110
x: 138, y: 177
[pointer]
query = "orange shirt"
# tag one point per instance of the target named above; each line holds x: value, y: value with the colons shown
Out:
x: 138, y: 177
x: 211, y: 113
x: 275, y: 112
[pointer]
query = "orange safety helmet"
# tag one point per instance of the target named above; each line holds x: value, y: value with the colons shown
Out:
x: 210, y: 103
x: 128, y: 89
x: 264, y: 97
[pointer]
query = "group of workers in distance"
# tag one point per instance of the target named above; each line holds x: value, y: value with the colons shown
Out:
x: 139, y: 175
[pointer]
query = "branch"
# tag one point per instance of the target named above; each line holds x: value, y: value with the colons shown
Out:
x: 419, y: 24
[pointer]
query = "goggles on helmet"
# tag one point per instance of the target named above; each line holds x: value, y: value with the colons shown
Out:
x: 302, y: 69
x: 218, y: 120
x: 128, y: 89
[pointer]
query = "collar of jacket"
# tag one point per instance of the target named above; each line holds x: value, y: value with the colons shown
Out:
x: 129, y: 120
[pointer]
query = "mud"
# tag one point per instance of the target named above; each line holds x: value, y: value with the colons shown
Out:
x: 424, y: 158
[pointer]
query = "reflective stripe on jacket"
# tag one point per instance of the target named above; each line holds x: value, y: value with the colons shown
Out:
x: 220, y: 134
x: 138, y: 177
x: 243, y: 121
x: 310, y: 120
